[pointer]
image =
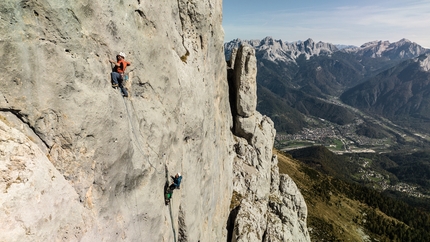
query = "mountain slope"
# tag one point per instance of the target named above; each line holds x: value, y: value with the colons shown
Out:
x: 401, y: 94
x: 403, y: 49
x: 307, y: 77
x: 285, y: 117
x: 343, y: 211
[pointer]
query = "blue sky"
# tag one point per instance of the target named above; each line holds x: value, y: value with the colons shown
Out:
x: 334, y: 21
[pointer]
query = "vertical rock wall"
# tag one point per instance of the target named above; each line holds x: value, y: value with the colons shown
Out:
x: 110, y: 153
x: 265, y: 205
x: 81, y: 163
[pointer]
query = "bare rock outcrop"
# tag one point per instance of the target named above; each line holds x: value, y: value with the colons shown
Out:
x: 110, y: 155
x: 245, y: 67
x: 81, y: 163
x: 266, y: 206
x: 36, y: 199
x: 244, y: 91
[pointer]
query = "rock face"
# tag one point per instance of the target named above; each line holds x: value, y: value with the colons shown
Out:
x: 425, y: 62
x: 36, y: 198
x: 265, y: 206
x: 110, y: 154
x: 81, y: 163
x: 244, y: 81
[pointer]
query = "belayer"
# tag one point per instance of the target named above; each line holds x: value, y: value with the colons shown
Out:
x: 118, y: 71
x: 176, y: 184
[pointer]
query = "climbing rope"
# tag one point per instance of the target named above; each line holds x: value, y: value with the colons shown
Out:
x: 123, y: 193
x: 171, y: 219
x: 137, y: 140
x: 170, y: 205
x: 155, y: 168
x: 134, y: 111
x: 137, y: 212
x: 143, y: 153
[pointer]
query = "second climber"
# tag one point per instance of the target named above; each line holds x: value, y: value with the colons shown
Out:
x: 176, y: 181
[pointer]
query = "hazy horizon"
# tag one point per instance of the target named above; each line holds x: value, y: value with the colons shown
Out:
x: 340, y: 22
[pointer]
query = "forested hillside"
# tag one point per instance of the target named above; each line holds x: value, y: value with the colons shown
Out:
x: 342, y: 210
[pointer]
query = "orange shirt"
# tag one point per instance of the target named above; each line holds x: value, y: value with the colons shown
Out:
x: 122, y: 65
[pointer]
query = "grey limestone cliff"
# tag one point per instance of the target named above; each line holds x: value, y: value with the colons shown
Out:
x: 266, y: 206
x: 81, y: 163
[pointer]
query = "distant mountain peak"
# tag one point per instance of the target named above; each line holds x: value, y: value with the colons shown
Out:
x: 405, y: 41
x: 350, y: 47
x: 375, y: 43
x: 402, y: 49
x: 280, y: 51
x: 309, y: 41
x: 268, y: 38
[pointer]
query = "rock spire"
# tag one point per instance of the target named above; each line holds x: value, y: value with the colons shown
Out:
x: 265, y: 205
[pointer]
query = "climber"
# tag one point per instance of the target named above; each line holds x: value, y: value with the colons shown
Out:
x: 118, y: 70
x: 168, y: 189
x: 176, y: 184
x: 168, y: 195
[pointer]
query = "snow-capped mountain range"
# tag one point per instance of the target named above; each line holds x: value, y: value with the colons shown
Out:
x: 280, y: 51
x: 403, y: 49
x: 300, y: 75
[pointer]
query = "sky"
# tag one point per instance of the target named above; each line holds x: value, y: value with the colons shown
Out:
x: 334, y: 21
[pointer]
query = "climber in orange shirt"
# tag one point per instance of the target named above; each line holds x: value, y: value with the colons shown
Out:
x: 118, y: 70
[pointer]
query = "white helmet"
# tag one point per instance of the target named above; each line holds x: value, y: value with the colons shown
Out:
x: 179, y: 174
x: 122, y: 54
